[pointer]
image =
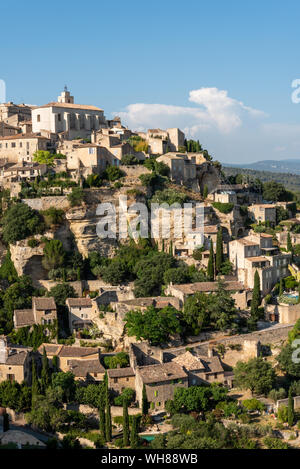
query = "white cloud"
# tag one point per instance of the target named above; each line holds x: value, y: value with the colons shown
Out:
x: 214, y: 110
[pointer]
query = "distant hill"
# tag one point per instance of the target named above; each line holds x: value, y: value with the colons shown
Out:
x: 290, y: 181
x: 291, y: 166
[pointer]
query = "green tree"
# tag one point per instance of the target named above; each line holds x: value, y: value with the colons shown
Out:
x: 43, y: 157
x: 45, y: 374
x: 61, y: 292
x: 289, y: 245
x: 256, y: 375
x: 34, y: 383
x: 211, y: 264
x: 145, y: 402
x: 205, y: 192
x: 54, y: 254
x: 281, y: 287
x: 286, y: 362
x: 134, y: 436
x: 291, y: 413
x: 76, y: 197
x: 125, y: 423
x: 108, y: 426
x: 195, y: 312
x: 154, y: 325
x: 19, y: 222
x: 219, y: 250
x: 255, y: 297
x: 65, y: 384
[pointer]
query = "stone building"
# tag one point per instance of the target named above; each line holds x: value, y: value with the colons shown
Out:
x: 263, y: 213
x: 121, y: 378
x: 202, y: 369
x: 183, y: 291
x: 10, y: 173
x: 81, y: 312
x: 82, y: 361
x: 256, y: 252
x: 21, y: 147
x: 43, y: 312
x: 15, y: 362
x: 64, y: 116
x: 160, y: 382
x: 12, y: 113
x: 182, y: 168
x: 7, y: 130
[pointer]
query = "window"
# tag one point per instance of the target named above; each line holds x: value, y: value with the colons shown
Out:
x: 59, y: 117
x: 155, y: 393
x: 115, y: 380
x: 91, y: 151
x: 38, y: 118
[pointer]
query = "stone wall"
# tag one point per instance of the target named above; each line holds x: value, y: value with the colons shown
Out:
x: 43, y: 203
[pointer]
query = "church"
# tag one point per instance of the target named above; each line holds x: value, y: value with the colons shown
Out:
x: 67, y: 118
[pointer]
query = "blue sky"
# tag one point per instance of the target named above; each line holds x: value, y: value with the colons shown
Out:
x: 222, y: 71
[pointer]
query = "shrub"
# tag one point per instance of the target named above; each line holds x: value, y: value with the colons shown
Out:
x: 223, y: 207
x: 19, y: 222
x: 76, y: 197
x: 33, y: 243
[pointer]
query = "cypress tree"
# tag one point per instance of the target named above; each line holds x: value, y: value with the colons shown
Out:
x: 255, y: 297
x: 205, y: 192
x: 55, y: 363
x: 102, y: 411
x: 34, y: 383
x: 45, y: 375
x: 289, y: 245
x: 291, y: 414
x: 145, y: 403
x: 210, y: 265
x: 281, y: 287
x: 134, y: 437
x: 108, y: 433
x: 219, y: 250
x: 125, y: 423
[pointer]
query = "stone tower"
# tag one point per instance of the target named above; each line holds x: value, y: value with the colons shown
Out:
x: 65, y: 97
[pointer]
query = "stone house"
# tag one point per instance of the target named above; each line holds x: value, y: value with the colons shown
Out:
x: 202, y: 369
x: 15, y: 362
x: 160, y: 382
x: 121, y: 378
x: 21, y: 147
x: 79, y: 360
x: 64, y: 116
x: 225, y: 197
x: 81, y: 312
x: 43, y: 312
x: 263, y: 213
x: 257, y: 252
x: 183, y: 291
x: 11, y: 173
x: 6, y: 129
x: 12, y: 113
x: 87, y: 370
x: 142, y: 304
x: 182, y: 169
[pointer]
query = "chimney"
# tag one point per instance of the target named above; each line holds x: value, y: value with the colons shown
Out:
x: 3, y: 349
x: 210, y: 352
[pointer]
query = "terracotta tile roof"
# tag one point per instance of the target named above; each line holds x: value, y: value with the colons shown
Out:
x: 162, y: 372
x: 70, y: 106
x: 70, y: 351
x: 51, y: 349
x: 188, y: 361
x: 23, y: 317
x: 257, y: 259
x: 79, y: 302
x: 23, y: 136
x: 120, y: 372
x: 211, y: 364
x: 80, y: 368
x: 42, y: 303
x: 16, y: 358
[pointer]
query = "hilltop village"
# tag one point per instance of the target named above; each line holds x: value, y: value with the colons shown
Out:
x: 141, y: 342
